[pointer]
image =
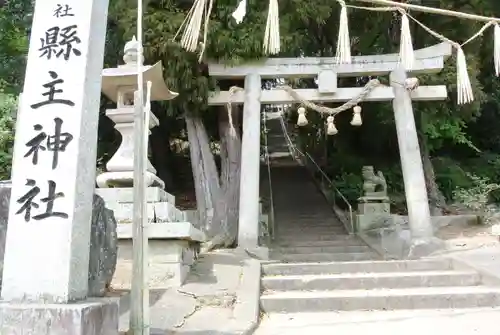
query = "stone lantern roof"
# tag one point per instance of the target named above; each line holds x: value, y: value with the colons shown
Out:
x: 126, y: 75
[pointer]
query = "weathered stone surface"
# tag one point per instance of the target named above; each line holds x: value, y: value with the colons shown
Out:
x: 103, y: 248
x: 4, y: 217
x: 103, y: 242
x: 95, y: 316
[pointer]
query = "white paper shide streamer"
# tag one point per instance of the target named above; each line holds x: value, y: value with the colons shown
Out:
x: 343, y: 55
x: 496, y: 48
x: 240, y: 11
x: 464, y: 88
x: 272, y: 34
x: 406, y: 55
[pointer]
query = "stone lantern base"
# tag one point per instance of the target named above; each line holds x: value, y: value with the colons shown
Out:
x: 126, y: 179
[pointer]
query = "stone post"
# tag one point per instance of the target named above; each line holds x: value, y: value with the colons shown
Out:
x: 248, y: 225
x: 46, y: 260
x: 411, y: 162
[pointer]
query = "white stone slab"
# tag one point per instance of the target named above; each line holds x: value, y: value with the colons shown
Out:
x: 126, y: 195
x: 170, y: 230
x: 422, y: 93
x: 47, y: 258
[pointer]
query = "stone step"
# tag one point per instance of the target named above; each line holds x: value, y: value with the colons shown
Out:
x: 325, y: 257
x: 292, y: 234
x: 360, y: 281
x: 383, y: 299
x: 305, y: 227
x: 464, y: 321
x: 311, y: 238
x: 311, y: 230
x: 279, y: 154
x: 301, y: 236
x: 291, y: 269
x: 293, y: 212
x: 296, y: 186
x: 321, y: 217
x: 303, y: 224
x: 348, y: 241
x: 314, y: 249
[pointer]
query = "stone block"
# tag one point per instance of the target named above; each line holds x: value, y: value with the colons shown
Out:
x: 165, y: 231
x: 395, y: 242
x: 103, y: 242
x: 167, y: 212
x: 126, y: 195
x: 96, y: 316
x: 169, y: 263
x: 4, y: 218
x: 374, y: 208
x: 157, y: 212
x: 369, y: 222
x: 173, y: 249
x: 192, y: 217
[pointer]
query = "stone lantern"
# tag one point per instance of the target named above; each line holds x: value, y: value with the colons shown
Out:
x: 119, y: 84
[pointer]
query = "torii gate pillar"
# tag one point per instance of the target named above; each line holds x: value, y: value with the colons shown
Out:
x: 422, y: 235
x: 248, y: 224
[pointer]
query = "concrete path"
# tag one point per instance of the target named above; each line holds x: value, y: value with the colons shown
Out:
x: 409, y: 322
x: 218, y: 298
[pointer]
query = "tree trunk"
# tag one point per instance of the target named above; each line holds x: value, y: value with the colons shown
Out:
x: 216, y: 197
x: 437, y: 201
x: 203, y: 200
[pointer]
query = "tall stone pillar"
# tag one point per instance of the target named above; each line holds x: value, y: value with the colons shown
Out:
x: 248, y: 225
x: 412, y: 167
x: 46, y: 261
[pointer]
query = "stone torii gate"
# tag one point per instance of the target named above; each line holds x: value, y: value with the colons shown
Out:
x: 427, y: 60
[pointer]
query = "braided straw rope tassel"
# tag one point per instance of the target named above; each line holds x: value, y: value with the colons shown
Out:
x: 406, y: 55
x: 373, y: 83
x: 343, y: 55
x: 464, y: 87
x: 192, y: 24
x: 496, y: 48
x: 272, y: 33
x: 331, y: 112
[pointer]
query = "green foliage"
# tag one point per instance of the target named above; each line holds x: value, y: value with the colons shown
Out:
x: 477, y: 197
x: 15, y: 20
x: 8, y: 108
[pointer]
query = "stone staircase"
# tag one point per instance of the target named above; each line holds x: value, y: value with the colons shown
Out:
x: 306, y: 227
x: 317, y: 267
x: 372, y: 285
